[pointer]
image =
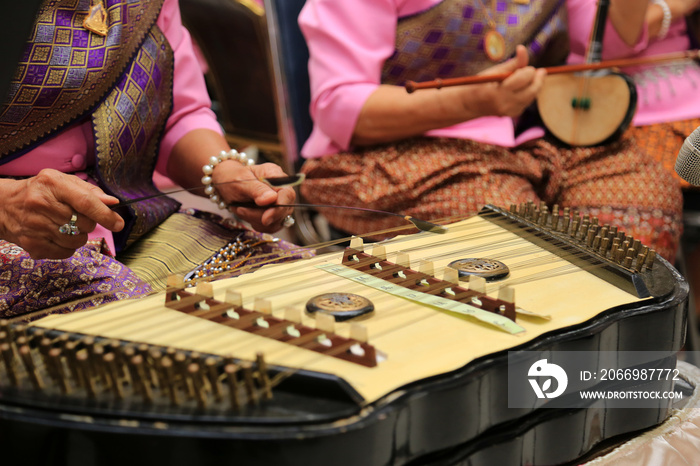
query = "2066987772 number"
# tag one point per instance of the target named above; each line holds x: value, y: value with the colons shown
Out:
x: 639, y: 374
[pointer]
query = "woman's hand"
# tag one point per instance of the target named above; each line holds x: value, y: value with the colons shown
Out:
x: 264, y: 220
x: 514, y: 94
x: 682, y: 8
x: 34, y: 209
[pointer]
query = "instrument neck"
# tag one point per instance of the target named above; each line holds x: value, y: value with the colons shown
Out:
x: 595, y: 46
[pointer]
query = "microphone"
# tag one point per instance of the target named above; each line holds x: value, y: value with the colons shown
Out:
x: 688, y: 160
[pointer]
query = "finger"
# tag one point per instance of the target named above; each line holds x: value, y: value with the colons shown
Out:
x: 522, y: 58
x: 519, y: 60
x: 277, y: 215
x: 89, y: 200
x: 73, y: 233
x: 41, y: 248
x: 255, y: 190
x: 84, y: 223
x: 521, y: 79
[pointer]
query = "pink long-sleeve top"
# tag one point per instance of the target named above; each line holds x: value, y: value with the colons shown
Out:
x: 73, y: 150
x: 348, y: 44
x: 666, y: 92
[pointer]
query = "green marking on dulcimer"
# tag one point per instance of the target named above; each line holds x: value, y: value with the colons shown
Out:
x: 490, y: 318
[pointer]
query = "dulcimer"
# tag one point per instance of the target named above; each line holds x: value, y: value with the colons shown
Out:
x: 569, y: 117
x: 247, y: 370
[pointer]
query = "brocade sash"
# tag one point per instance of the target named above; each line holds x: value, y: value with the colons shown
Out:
x: 446, y: 40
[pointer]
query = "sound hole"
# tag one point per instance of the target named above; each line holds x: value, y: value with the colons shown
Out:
x: 489, y: 269
x: 342, y: 306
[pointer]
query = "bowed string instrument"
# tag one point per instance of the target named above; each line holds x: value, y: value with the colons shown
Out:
x: 581, y: 104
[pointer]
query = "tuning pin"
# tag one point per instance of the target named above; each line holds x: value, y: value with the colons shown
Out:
x: 166, y: 365
x: 590, y: 236
x: 651, y: 256
x: 249, y: 383
x: 522, y: 210
x: 195, y: 375
x: 25, y: 354
x: 637, y: 246
x: 263, y: 376
x: 8, y: 358
x: 56, y: 364
x: 231, y: 371
x: 213, y: 377
x: 81, y: 358
x: 566, y: 221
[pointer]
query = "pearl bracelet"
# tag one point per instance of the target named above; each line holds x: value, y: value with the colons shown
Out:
x: 666, y: 21
x: 208, y: 169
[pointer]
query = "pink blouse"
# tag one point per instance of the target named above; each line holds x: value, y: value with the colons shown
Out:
x: 72, y: 150
x: 666, y: 92
x: 348, y: 44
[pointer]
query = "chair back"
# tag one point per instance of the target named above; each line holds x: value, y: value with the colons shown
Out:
x: 290, y: 57
x: 232, y: 36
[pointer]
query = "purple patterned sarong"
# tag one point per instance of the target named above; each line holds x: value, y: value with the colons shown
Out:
x: 89, y: 278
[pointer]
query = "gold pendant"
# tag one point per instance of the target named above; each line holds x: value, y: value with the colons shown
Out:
x: 96, y: 20
x: 494, y: 45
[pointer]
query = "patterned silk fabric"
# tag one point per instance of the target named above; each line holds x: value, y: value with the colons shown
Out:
x: 127, y: 127
x: 447, y: 40
x: 89, y: 278
x: 437, y: 178
x: 66, y: 70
